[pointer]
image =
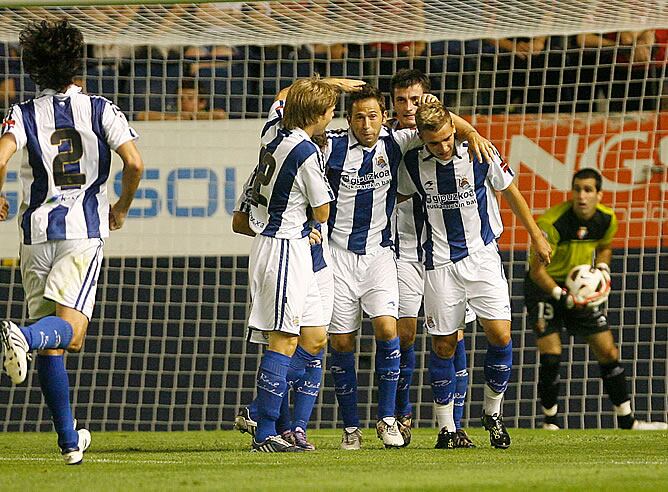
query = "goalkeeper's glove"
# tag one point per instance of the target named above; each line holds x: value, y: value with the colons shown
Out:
x: 563, y: 297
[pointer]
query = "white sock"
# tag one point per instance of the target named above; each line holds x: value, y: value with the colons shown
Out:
x: 445, y: 416
x: 492, y: 402
x: 623, y: 409
x: 550, y: 412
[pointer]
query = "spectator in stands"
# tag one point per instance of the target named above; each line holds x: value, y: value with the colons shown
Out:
x: 658, y: 68
x: 527, y: 74
x: 616, y: 66
x: 192, y: 104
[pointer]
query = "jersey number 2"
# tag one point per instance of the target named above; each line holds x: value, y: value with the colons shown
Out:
x: 264, y: 172
x: 60, y: 176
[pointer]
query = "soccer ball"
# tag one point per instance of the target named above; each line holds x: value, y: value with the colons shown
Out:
x: 588, y: 285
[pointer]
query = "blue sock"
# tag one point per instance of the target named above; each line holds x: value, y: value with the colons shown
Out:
x: 345, y: 386
x: 295, y: 373
x: 442, y: 375
x: 461, y: 382
x: 271, y: 388
x: 498, y: 365
x: 284, y: 421
x: 252, y: 409
x: 406, y: 369
x: 307, y: 389
x: 56, y: 390
x: 388, y: 357
x: 50, y: 332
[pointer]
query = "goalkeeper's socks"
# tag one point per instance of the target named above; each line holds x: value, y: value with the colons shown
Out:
x: 388, y: 358
x: 406, y: 370
x: 624, y: 415
x: 498, y: 365
x: 307, y: 389
x: 344, y: 374
x: 271, y: 388
x: 56, y: 390
x: 442, y: 375
x: 50, y: 332
x: 461, y: 382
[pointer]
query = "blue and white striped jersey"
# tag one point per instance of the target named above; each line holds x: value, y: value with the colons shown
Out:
x: 69, y: 138
x: 364, y: 181
x: 289, y: 178
x: 459, y: 202
x: 317, y: 250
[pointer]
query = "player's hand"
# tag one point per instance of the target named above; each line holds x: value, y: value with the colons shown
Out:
x: 426, y: 98
x: 346, y: 85
x: 564, y: 298
x: 4, y: 208
x: 116, y: 217
x: 480, y: 147
x: 314, y: 237
x: 542, y: 249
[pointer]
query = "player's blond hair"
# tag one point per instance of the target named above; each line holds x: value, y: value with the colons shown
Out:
x: 431, y: 116
x: 307, y: 100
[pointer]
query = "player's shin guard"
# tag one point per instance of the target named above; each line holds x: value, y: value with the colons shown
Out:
x: 306, y: 390
x: 50, y: 332
x: 548, y: 380
x: 344, y: 374
x: 271, y: 388
x: 498, y: 366
x: 461, y: 382
x: 442, y: 375
x: 56, y: 390
x: 614, y: 382
x: 406, y: 369
x: 388, y: 357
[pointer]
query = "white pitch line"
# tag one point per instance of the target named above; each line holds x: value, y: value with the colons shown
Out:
x: 98, y: 460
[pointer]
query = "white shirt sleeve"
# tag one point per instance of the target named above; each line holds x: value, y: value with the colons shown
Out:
x: 499, y: 173
x: 13, y: 123
x: 407, y: 139
x: 315, y: 183
x: 274, y: 122
x: 405, y: 184
x: 116, y: 126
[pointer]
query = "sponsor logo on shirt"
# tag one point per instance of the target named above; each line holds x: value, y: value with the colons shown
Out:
x: 370, y: 181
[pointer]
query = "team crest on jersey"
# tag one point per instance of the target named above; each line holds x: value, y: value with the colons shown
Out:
x: 429, y: 185
x: 582, y: 232
x: 463, y: 182
x: 381, y: 161
x: 295, y: 321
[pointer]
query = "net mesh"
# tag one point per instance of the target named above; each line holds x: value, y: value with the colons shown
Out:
x: 166, y: 350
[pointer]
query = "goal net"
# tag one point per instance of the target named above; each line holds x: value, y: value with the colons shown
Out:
x: 557, y: 86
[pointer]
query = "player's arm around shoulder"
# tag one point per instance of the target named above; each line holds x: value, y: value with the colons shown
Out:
x: 479, y: 146
x: 133, y: 167
x: 7, y: 150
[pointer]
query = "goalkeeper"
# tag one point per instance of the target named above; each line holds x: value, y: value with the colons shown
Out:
x: 578, y: 230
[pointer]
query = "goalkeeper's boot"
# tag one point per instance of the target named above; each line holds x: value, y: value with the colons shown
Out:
x: 74, y: 456
x: 405, y: 423
x: 299, y: 436
x: 16, y: 351
x: 351, y: 440
x: 550, y: 422
x: 642, y: 425
x: 274, y: 444
x: 388, y: 431
x: 463, y: 440
x: 243, y: 422
x: 498, y: 435
x: 446, y: 439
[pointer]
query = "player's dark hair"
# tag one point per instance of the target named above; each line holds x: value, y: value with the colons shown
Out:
x: 588, y: 173
x: 52, y: 53
x: 366, y: 92
x: 406, y: 78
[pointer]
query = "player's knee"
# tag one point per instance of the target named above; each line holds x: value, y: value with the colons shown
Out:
x: 343, y: 342
x: 608, y: 355
x: 314, y: 343
x: 406, y: 338
x: 499, y: 339
x: 444, y: 347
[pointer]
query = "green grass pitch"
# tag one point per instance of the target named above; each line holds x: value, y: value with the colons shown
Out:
x: 216, y: 460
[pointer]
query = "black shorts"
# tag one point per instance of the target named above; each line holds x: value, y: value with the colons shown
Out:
x: 546, y: 316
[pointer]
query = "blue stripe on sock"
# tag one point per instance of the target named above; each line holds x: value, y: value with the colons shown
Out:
x: 498, y: 366
x: 406, y: 370
x: 344, y: 374
x: 388, y: 358
x: 307, y: 390
x: 442, y: 375
x: 56, y: 390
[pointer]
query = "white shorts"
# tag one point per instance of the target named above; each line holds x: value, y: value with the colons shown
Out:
x: 326, y: 288
x: 61, y: 272
x: 363, y: 282
x: 411, y: 287
x: 281, y: 280
x: 478, y: 278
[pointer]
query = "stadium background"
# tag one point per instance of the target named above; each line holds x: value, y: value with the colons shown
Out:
x: 166, y: 350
